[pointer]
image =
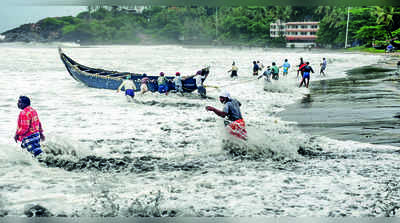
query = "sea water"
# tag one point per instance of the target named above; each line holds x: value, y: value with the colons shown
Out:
x: 166, y: 155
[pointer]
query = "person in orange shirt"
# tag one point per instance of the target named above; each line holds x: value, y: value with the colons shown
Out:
x: 29, y: 131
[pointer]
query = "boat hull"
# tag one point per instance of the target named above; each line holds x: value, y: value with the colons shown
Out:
x: 104, y: 79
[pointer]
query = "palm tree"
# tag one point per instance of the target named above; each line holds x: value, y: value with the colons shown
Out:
x: 280, y: 12
x: 385, y: 18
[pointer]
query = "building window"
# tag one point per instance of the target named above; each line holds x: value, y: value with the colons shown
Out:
x: 303, y: 33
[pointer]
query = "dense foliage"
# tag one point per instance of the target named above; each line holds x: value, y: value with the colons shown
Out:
x: 226, y: 25
x: 367, y: 25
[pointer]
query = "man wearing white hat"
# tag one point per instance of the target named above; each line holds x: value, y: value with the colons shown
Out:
x: 231, y: 111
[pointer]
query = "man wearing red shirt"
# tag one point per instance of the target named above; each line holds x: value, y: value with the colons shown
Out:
x: 29, y: 130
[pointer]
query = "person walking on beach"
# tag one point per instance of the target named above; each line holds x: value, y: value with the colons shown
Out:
x: 286, y: 67
x: 129, y: 87
x: 301, y: 66
x: 323, y: 67
x: 256, y: 68
x: 29, y: 131
x: 306, y: 75
x: 231, y: 111
x: 275, y: 71
x: 234, y: 70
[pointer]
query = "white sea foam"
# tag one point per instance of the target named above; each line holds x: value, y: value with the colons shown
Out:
x: 178, y: 130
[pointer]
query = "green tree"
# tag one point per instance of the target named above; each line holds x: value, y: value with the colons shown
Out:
x: 385, y: 17
x: 332, y: 27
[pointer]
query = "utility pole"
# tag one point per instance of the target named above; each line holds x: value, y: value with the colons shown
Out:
x: 347, y: 26
x: 216, y: 23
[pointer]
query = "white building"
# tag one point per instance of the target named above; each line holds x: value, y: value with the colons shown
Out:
x: 297, y: 34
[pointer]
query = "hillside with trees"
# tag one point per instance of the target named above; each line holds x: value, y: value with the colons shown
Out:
x: 203, y: 25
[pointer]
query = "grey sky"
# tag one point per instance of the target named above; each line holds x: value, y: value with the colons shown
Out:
x: 12, y: 16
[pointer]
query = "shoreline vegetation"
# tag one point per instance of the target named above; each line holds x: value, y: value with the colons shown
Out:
x: 225, y: 26
x: 371, y: 50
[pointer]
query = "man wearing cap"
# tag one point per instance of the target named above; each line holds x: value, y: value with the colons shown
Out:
x: 29, y: 131
x: 231, y: 112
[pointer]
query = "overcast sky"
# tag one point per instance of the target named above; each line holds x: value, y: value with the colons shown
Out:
x: 12, y: 16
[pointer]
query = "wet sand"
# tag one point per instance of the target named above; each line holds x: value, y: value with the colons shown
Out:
x: 364, y: 106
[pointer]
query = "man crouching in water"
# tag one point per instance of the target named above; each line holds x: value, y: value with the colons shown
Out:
x: 29, y: 130
x: 231, y: 111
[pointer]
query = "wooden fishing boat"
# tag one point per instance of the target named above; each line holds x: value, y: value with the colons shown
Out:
x: 105, y: 79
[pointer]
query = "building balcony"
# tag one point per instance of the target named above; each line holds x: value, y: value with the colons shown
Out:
x: 302, y: 23
x: 311, y: 37
x: 301, y: 30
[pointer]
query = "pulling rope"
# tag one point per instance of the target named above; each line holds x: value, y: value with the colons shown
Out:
x: 218, y: 87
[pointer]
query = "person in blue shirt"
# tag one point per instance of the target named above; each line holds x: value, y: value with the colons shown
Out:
x: 389, y: 48
x: 286, y: 67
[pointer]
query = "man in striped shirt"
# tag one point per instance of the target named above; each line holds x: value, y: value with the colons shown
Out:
x: 29, y: 131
